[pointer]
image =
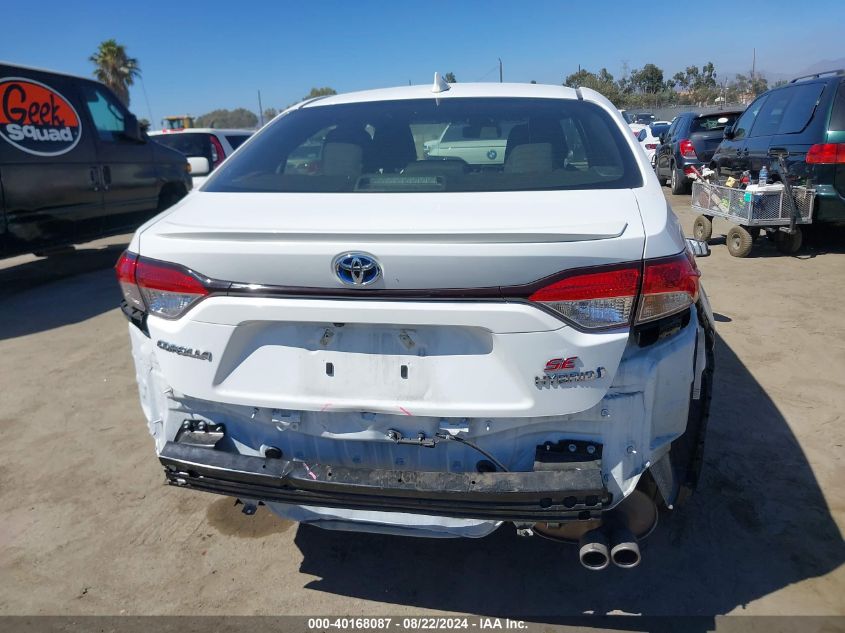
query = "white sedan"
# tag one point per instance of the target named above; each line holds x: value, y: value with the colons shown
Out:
x: 388, y: 343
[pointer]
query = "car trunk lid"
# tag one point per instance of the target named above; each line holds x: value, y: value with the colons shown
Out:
x: 422, y: 241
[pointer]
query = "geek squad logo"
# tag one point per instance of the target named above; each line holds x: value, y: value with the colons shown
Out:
x: 36, y: 119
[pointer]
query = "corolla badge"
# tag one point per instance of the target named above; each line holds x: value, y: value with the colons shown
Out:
x: 356, y: 269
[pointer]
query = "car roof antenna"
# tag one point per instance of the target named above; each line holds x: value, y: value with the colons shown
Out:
x: 440, y: 84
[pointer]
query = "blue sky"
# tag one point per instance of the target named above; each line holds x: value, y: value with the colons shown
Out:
x: 198, y: 56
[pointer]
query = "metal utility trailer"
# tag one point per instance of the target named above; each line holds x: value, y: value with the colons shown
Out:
x: 778, y: 211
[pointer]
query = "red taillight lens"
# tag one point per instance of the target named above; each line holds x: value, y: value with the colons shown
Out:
x: 687, y: 149
x: 651, y: 146
x: 826, y: 154
x: 217, y: 153
x: 669, y: 286
x: 605, y: 297
x: 593, y: 298
x: 159, y: 288
x: 125, y: 269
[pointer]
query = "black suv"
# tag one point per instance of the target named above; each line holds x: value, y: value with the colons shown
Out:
x: 805, y: 119
x: 689, y: 143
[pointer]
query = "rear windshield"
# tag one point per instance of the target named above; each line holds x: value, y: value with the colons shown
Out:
x: 190, y: 144
x: 657, y: 130
x: 837, y: 117
x: 235, y: 140
x: 711, y: 122
x: 431, y: 145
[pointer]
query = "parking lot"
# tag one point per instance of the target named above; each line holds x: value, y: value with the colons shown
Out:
x: 89, y: 528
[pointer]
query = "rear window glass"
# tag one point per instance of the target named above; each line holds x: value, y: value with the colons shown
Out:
x: 837, y: 117
x: 771, y: 115
x: 188, y: 143
x: 236, y: 140
x: 660, y: 128
x: 712, y: 122
x: 500, y: 144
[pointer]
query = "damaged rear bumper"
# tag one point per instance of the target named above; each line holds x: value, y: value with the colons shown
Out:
x: 539, y: 495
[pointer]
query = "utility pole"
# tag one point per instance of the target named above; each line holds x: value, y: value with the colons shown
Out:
x: 753, y: 65
x: 500, y: 70
x: 260, y: 111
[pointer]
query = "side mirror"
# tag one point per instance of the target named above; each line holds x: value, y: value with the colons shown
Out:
x: 698, y: 248
x: 199, y: 165
x: 729, y: 132
x: 132, y: 129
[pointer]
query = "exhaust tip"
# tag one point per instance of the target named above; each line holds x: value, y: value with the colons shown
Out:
x: 593, y: 552
x: 625, y: 552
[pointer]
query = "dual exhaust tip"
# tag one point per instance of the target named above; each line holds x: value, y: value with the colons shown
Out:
x: 599, y: 547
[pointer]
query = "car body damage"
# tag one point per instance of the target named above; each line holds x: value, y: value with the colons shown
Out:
x: 423, y: 372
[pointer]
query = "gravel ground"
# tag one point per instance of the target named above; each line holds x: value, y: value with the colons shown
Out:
x: 89, y: 528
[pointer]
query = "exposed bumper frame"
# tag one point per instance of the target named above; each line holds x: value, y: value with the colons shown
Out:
x: 541, y: 495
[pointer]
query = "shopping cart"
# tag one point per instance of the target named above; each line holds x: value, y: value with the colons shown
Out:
x: 778, y: 209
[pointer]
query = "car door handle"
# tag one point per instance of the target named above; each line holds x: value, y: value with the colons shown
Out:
x: 106, y: 177
x: 94, y: 175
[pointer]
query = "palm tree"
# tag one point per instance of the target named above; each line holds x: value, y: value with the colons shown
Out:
x: 115, y: 69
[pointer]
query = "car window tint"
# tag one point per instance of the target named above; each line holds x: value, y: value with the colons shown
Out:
x: 189, y: 143
x: 800, y: 109
x: 236, y: 140
x: 771, y: 114
x: 712, y: 122
x: 744, y: 123
x: 106, y: 112
x: 837, y: 117
x: 505, y: 144
x: 657, y: 130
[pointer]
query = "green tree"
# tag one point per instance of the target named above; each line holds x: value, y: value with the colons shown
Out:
x: 450, y: 78
x: 697, y: 85
x: 649, y: 80
x: 744, y: 88
x: 237, y: 118
x: 115, y: 68
x: 602, y: 82
x: 269, y: 114
x: 320, y: 92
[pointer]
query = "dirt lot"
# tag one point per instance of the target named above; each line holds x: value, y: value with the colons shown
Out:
x: 89, y: 528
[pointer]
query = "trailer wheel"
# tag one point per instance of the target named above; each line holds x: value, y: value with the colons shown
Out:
x: 702, y: 230
x: 789, y: 243
x: 739, y: 241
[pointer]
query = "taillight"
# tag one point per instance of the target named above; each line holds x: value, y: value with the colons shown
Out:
x: 687, y: 149
x: 125, y: 270
x: 651, y: 146
x: 593, y: 298
x: 217, y: 153
x: 669, y: 286
x: 826, y: 154
x: 159, y: 288
x: 605, y: 297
